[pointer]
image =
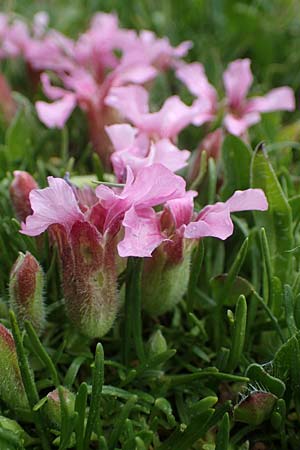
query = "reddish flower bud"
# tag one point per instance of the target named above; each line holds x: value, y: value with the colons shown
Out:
x: 12, y: 390
x: 26, y: 291
x: 7, y: 103
x: 255, y: 408
x: 19, y: 191
x: 53, y: 405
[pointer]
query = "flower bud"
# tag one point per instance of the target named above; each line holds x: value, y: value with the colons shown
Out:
x: 157, y: 343
x: 53, y: 405
x: 19, y: 191
x: 12, y: 390
x: 7, y: 103
x: 26, y: 291
x: 255, y: 408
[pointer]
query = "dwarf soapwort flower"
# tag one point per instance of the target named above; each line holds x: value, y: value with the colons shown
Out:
x: 94, y: 69
x: 171, y: 236
x: 241, y: 113
x: 19, y: 191
x: 133, y: 103
x: 137, y: 150
x: 85, y: 228
x: 26, y: 285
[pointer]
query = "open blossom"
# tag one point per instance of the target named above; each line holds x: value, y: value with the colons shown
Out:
x: 89, y: 69
x: 241, y: 113
x: 133, y: 103
x: 85, y: 228
x: 137, y: 150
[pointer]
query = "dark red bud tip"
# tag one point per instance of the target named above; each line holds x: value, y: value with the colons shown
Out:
x: 19, y: 190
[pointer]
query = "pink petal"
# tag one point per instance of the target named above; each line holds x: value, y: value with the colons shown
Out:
x: 142, y: 233
x: 55, y: 204
x: 182, y: 208
x: 193, y: 76
x: 153, y: 186
x: 52, y: 92
x: 214, y: 221
x: 250, y: 199
x: 239, y: 125
x: 137, y: 74
x: 276, y: 100
x: 237, y: 80
x: 167, y: 154
x: 170, y: 120
x: 122, y: 135
x: 130, y: 101
x: 55, y: 115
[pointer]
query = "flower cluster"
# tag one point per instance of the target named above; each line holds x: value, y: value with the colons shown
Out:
x: 105, y: 72
x: 90, y: 228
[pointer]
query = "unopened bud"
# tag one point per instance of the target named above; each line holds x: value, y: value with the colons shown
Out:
x: 19, y: 190
x: 53, y: 405
x: 255, y: 408
x: 12, y: 390
x: 157, y: 343
x: 26, y: 291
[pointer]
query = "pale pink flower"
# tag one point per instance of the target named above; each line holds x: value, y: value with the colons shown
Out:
x: 242, y: 112
x: 133, y: 103
x: 137, y: 150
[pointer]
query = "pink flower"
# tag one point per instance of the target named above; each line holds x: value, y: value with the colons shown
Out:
x: 132, y: 102
x: 88, y: 257
x: 137, y: 150
x: 243, y: 113
x: 177, y: 223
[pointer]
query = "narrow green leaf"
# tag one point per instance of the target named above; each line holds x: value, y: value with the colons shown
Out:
x: 277, y: 221
x: 183, y: 440
x: 80, y: 408
x: 97, y: 384
x: 120, y: 422
x: 236, y: 157
x: 238, y: 335
x: 222, y: 441
x: 197, y: 259
x: 28, y: 381
x: 288, y: 297
x: 41, y: 353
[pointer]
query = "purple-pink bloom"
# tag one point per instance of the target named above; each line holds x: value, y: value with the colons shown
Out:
x: 243, y: 113
x: 137, y: 150
x: 133, y: 103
